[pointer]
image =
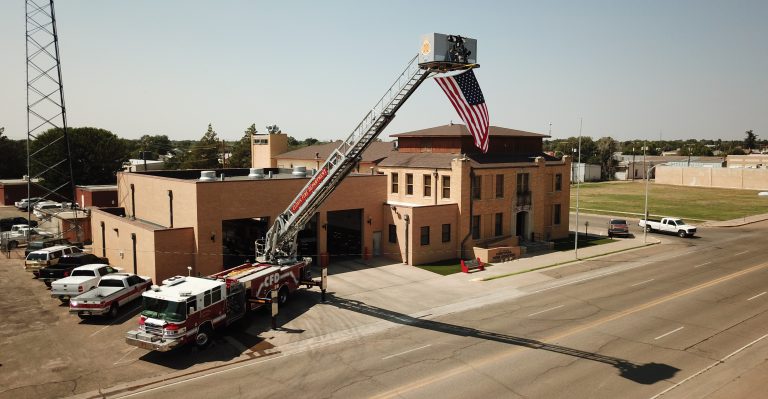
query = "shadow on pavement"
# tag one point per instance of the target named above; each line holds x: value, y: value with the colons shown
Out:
x: 649, y: 373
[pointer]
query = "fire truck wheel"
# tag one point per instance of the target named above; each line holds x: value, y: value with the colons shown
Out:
x: 113, y: 310
x: 282, y: 295
x: 203, y: 337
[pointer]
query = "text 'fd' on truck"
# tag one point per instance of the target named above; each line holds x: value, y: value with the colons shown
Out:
x: 186, y: 309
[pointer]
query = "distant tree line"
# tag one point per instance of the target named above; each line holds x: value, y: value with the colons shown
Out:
x: 97, y: 154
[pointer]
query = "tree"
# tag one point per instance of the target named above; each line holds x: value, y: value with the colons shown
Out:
x: 750, y: 141
x: 156, y: 145
x: 606, y: 146
x: 14, y: 164
x: 96, y: 155
x: 241, y: 150
x: 204, y: 154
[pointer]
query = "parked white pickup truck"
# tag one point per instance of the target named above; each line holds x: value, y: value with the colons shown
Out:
x: 82, y: 279
x: 20, y: 234
x: 669, y: 225
x: 114, y: 290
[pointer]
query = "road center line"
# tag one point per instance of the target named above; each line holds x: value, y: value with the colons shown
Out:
x: 545, y: 310
x: 703, y: 264
x: 741, y: 253
x: 673, y: 331
x: 704, y: 370
x: 408, y: 351
x: 642, y: 282
x: 760, y: 294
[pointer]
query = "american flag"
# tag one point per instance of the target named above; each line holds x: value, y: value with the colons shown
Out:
x: 466, y: 96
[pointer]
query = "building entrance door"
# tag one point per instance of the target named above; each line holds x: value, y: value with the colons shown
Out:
x: 345, y: 229
x: 376, y: 243
x: 520, y: 228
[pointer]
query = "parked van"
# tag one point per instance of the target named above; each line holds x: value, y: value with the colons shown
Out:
x: 44, y: 209
x: 47, y: 257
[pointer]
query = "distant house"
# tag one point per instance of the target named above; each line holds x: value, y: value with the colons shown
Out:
x: 583, y: 172
x: 633, y: 167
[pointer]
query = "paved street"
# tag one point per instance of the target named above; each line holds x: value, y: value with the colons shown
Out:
x: 635, y: 324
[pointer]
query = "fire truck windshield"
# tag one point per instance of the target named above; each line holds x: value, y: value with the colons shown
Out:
x: 165, y: 310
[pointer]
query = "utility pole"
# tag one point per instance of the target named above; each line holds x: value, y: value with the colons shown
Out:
x: 576, y: 236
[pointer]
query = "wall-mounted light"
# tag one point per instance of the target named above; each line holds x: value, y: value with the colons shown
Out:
x: 116, y: 230
x: 325, y: 226
x: 370, y: 220
x: 213, y: 236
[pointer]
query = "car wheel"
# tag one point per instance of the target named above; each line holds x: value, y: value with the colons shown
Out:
x: 64, y: 299
x: 203, y: 337
x: 681, y: 233
x: 610, y: 235
x: 648, y: 229
x: 48, y: 284
x: 113, y: 310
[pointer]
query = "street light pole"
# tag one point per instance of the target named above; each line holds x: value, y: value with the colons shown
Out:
x: 576, y: 233
x: 647, y: 178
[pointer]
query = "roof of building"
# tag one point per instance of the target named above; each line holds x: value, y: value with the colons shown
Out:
x: 419, y: 160
x: 455, y: 130
x: 375, y: 152
x: 104, y: 187
x: 508, y: 158
x: 671, y: 158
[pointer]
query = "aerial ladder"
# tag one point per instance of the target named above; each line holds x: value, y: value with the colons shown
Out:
x: 439, y: 54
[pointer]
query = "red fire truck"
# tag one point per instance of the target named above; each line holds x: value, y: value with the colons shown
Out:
x: 184, y: 309
x: 190, y: 309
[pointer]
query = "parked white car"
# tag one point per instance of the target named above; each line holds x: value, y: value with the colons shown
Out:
x: 46, y: 208
x: 20, y: 234
x: 82, y: 279
x: 114, y: 291
x: 24, y: 203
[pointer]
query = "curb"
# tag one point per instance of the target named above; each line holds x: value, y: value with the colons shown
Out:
x: 490, y: 278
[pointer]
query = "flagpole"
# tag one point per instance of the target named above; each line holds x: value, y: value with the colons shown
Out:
x: 578, y: 164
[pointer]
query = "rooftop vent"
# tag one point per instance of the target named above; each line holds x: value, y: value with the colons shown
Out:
x: 174, y: 280
x: 299, y: 171
x: 207, y: 175
x: 256, y: 173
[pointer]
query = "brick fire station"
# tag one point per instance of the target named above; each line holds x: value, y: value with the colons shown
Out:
x: 429, y: 196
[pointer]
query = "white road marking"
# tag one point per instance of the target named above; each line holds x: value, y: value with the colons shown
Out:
x: 741, y: 253
x: 580, y: 280
x: 704, y: 370
x: 408, y: 351
x: 128, y: 353
x: 673, y: 331
x: 760, y: 294
x: 642, y: 282
x: 703, y: 264
x: 545, y: 310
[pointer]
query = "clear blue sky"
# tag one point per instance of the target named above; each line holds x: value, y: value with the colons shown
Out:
x: 691, y: 69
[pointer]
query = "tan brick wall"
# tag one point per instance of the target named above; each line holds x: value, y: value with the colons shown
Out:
x: 737, y: 178
x: 262, y: 155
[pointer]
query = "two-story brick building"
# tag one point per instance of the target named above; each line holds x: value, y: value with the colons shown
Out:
x: 435, y: 197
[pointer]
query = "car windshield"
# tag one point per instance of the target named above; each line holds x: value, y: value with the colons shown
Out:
x: 162, y: 309
x: 34, y: 256
x: 35, y: 245
x: 618, y: 221
x: 86, y: 273
x: 111, y: 283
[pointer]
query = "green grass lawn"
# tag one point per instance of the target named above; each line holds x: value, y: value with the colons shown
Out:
x: 566, y: 244
x: 445, y: 267
x: 696, y: 203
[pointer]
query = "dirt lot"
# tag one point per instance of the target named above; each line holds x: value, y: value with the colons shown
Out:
x: 47, y: 353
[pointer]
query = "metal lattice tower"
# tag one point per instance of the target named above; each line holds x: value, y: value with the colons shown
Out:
x: 49, y: 165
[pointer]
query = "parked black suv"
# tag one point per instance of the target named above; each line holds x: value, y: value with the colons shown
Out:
x: 66, y: 263
x: 7, y: 223
x: 40, y: 244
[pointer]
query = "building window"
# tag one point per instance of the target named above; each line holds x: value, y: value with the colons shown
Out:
x: 427, y: 185
x: 477, y: 186
x: 559, y: 182
x: 446, y: 233
x: 522, y: 183
x: 395, y: 179
x: 409, y: 183
x: 556, y: 214
x: 475, y: 227
x: 446, y: 186
x: 393, y: 234
x: 425, y: 235
x: 499, y: 224
x: 499, y: 186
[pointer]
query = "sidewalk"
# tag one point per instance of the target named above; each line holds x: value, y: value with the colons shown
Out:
x: 738, y: 222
